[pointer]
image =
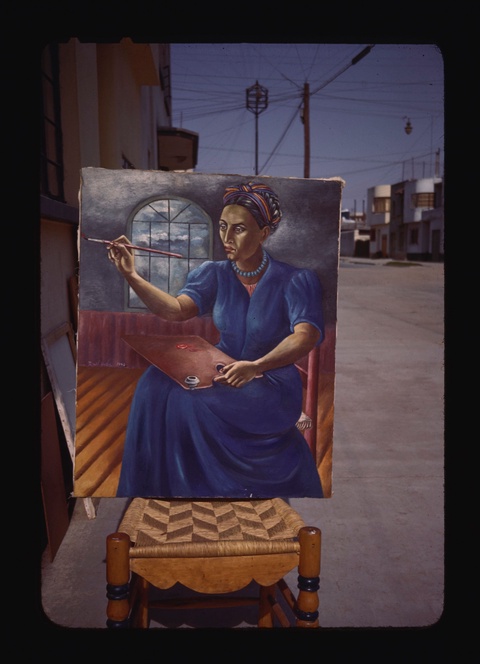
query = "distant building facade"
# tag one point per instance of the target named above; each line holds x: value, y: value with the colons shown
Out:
x: 406, y: 220
x: 378, y: 219
x: 354, y: 234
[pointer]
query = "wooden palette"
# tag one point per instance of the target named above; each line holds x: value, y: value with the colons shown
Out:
x: 190, y: 360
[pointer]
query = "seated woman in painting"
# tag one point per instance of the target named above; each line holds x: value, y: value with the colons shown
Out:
x: 237, y: 439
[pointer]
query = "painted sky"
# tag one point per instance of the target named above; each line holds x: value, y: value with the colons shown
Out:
x: 358, y: 112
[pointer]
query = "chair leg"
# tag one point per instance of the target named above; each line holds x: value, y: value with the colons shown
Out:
x: 118, y: 577
x: 142, y: 616
x: 265, y: 616
x: 308, y: 577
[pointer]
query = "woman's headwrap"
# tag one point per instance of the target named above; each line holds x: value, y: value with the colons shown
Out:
x: 259, y: 199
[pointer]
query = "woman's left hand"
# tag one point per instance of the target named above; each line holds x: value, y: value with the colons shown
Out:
x: 238, y: 374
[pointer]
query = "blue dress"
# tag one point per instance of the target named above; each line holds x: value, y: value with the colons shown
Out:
x: 225, y: 442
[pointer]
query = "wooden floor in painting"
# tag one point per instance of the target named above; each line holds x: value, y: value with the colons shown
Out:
x: 104, y: 395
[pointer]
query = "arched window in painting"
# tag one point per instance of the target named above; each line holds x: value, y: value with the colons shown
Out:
x: 174, y: 225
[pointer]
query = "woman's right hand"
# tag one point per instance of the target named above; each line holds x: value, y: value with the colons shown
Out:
x: 121, y: 256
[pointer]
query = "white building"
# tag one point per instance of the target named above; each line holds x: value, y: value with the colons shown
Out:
x: 378, y: 219
x: 423, y: 215
x: 406, y: 220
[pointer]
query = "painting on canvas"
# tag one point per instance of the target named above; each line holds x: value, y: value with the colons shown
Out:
x: 206, y: 353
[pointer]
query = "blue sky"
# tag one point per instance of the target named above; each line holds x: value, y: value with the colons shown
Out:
x: 358, y: 112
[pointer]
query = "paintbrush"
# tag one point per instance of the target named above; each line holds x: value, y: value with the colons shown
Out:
x: 132, y: 246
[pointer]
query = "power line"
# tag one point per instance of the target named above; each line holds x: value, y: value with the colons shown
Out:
x: 287, y: 102
x: 281, y: 139
x: 305, y: 103
x: 353, y: 61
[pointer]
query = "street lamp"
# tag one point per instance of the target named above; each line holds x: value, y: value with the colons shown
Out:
x: 257, y: 102
x: 408, y: 126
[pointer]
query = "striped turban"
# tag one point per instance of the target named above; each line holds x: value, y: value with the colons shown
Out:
x: 261, y: 201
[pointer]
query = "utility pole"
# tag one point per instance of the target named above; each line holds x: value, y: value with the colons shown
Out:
x: 257, y: 102
x: 306, y: 121
x: 305, y: 116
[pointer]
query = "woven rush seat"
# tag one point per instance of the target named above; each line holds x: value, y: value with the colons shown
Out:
x: 182, y: 528
x: 216, y: 548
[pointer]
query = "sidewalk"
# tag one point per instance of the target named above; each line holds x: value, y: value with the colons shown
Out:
x: 383, y: 529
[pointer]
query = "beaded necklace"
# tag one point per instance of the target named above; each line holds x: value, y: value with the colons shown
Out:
x: 253, y: 273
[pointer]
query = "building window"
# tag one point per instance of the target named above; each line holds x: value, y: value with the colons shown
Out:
x: 173, y: 225
x: 414, y: 236
x: 381, y: 205
x: 51, y: 149
x: 423, y: 200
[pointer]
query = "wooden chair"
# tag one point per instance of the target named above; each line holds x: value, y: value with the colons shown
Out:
x: 214, y: 548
